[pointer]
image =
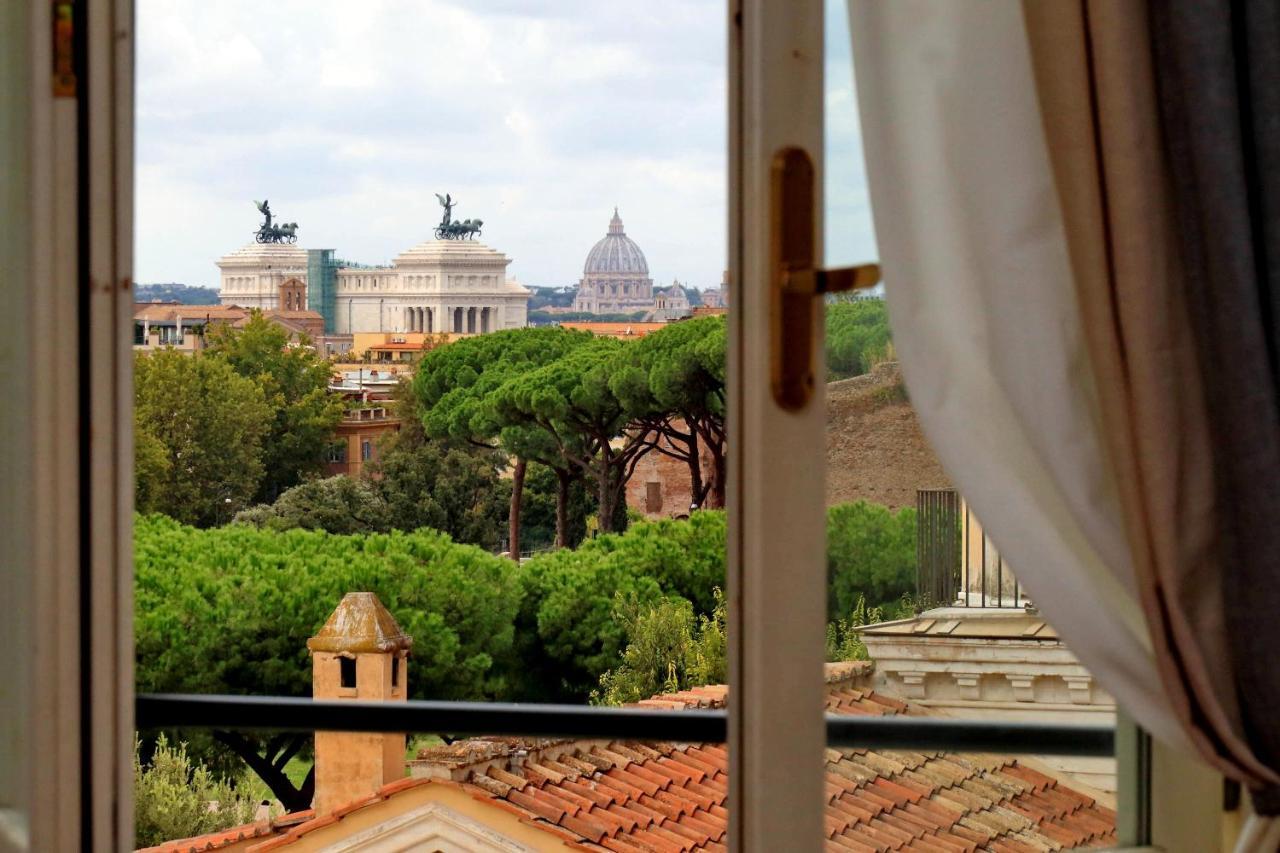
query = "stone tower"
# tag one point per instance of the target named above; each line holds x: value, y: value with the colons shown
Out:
x: 293, y: 295
x: 360, y: 653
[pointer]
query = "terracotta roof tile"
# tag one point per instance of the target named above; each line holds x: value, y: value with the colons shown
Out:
x: 859, y: 845
x: 663, y: 797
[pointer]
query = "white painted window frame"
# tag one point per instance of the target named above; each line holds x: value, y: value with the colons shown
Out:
x: 70, y: 245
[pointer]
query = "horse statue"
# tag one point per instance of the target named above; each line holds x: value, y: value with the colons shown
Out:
x: 455, y: 229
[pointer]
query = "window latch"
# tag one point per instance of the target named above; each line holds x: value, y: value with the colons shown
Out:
x: 796, y: 284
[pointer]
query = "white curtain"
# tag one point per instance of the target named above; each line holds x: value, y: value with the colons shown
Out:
x: 986, y: 323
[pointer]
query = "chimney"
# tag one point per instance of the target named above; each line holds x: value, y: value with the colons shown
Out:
x: 360, y: 653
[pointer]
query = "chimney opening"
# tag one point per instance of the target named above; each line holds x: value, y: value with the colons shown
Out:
x: 395, y: 671
x: 347, y: 671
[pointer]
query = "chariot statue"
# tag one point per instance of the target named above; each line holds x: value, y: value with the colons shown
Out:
x: 270, y: 233
x: 448, y: 229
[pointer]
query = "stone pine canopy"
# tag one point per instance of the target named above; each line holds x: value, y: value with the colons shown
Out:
x: 360, y: 624
x: 616, y: 253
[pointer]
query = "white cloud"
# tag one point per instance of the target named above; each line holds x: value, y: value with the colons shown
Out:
x: 538, y: 117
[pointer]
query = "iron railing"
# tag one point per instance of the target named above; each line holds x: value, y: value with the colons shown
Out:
x: 279, y: 713
x: 956, y: 563
x: 938, y: 547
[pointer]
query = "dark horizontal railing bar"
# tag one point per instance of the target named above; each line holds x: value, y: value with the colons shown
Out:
x: 173, y: 711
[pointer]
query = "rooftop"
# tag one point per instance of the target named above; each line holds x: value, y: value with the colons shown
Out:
x: 670, y: 797
x: 617, y: 330
x: 360, y: 624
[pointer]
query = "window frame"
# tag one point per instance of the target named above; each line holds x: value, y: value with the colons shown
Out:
x: 80, y: 210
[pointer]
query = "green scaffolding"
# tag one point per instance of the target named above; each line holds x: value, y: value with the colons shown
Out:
x: 322, y: 285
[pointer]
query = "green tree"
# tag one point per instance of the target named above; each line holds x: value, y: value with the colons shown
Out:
x: 668, y: 649
x: 570, y: 401
x: 454, y: 386
x: 542, y: 503
x: 458, y: 490
x: 151, y: 466
x: 229, y: 610
x: 447, y: 485
x: 210, y: 424
x: 173, y: 797
x: 871, y: 554
x: 673, y: 382
x: 857, y: 335
x: 567, y: 635
x: 294, y: 379
x: 335, y: 504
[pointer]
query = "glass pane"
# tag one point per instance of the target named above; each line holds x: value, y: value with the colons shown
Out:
x: 430, y: 347
x: 925, y: 615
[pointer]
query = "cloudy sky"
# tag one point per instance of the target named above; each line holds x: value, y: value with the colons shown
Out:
x: 538, y: 117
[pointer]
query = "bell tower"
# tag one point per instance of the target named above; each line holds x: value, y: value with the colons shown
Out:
x: 293, y: 295
x: 360, y: 653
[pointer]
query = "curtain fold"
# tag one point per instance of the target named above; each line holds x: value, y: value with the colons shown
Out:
x: 1078, y: 210
x: 986, y: 322
x: 1096, y: 89
x: 1219, y: 93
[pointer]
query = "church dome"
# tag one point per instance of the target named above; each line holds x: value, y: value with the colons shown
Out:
x: 616, y: 253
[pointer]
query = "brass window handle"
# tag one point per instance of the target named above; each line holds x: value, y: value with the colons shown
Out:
x: 796, y: 285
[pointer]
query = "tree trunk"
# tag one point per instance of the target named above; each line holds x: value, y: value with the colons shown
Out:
x: 563, y: 480
x: 513, y: 520
x: 605, y: 495
x: 695, y: 470
x: 718, y: 485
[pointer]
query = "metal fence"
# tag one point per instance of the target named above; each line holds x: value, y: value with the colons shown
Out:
x: 956, y: 563
x: 938, y: 547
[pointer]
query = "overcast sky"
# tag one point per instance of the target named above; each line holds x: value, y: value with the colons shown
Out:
x: 538, y: 117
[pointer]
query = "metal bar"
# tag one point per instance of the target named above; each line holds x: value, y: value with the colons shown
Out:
x: 172, y: 710
x: 999, y: 580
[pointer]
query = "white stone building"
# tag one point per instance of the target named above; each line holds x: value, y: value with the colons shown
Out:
x: 615, y: 277
x: 436, y: 286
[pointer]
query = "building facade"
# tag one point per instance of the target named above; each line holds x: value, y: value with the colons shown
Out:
x: 671, y: 303
x: 615, y: 277
x: 157, y: 325
x: 458, y: 286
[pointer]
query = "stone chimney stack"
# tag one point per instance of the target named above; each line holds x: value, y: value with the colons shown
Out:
x: 360, y: 653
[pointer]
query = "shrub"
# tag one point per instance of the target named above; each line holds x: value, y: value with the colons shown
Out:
x: 567, y: 633
x: 176, y: 798
x: 857, y: 337
x: 871, y: 554
x: 668, y: 649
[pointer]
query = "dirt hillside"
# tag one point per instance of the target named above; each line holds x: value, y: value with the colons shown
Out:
x: 875, y: 449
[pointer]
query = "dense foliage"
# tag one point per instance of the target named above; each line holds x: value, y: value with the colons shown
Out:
x: 455, y: 388
x: 230, y: 610
x: 336, y: 505
x: 567, y: 635
x: 202, y: 428
x: 668, y: 649
x: 538, y: 525
x: 187, y: 294
x: 857, y: 337
x: 871, y: 554
x: 673, y: 382
x: 174, y: 797
x: 295, y: 383
x: 240, y: 422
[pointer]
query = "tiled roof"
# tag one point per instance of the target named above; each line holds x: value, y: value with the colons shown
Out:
x: 670, y: 798
x: 617, y: 330
x: 227, y: 837
x: 666, y: 797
